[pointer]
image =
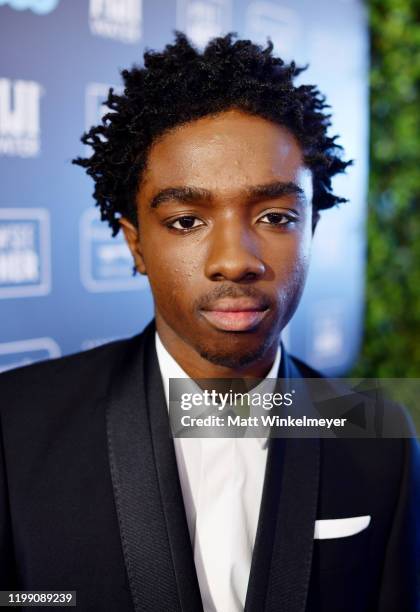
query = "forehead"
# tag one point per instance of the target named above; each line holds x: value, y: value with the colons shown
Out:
x: 224, y: 151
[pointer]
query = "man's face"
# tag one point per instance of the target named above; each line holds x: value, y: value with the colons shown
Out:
x: 225, y: 230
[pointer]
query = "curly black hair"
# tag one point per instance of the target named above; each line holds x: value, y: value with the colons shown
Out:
x: 181, y: 84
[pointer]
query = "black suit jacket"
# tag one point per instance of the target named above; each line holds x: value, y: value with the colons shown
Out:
x: 90, y: 498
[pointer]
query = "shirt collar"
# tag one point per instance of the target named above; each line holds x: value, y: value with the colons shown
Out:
x: 170, y: 368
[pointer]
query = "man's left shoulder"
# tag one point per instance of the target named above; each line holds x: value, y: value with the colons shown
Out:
x: 304, y: 369
x: 391, y: 446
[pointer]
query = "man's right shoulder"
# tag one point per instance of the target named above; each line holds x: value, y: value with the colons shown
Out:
x: 72, y: 378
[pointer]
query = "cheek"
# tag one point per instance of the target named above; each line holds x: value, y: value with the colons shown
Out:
x: 172, y: 272
x: 303, y: 251
x: 292, y: 268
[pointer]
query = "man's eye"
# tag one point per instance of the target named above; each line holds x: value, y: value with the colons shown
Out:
x: 185, y: 223
x: 276, y: 219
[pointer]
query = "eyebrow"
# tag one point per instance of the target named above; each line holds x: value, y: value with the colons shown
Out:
x: 189, y: 194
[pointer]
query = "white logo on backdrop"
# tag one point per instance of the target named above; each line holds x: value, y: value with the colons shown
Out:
x: 23, y: 352
x: 117, y: 19
x: 25, y: 260
x: 95, y: 96
x: 91, y: 343
x: 282, y: 25
x: 106, y: 263
x: 327, y: 348
x: 41, y: 7
x: 203, y: 19
x: 19, y: 118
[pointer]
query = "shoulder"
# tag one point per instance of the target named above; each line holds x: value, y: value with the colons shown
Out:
x: 382, y: 442
x: 63, y: 367
x: 304, y: 369
x: 368, y: 404
x: 69, y: 380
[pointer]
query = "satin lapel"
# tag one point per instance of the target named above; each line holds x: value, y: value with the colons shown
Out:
x: 263, y: 549
x: 147, y: 547
x: 281, y: 563
x: 170, y: 488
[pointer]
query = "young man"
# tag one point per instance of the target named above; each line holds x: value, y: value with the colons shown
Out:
x: 215, y: 166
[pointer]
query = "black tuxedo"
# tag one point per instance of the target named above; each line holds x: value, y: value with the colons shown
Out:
x: 91, y: 501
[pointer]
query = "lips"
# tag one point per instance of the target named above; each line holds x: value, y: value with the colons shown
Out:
x: 240, y: 314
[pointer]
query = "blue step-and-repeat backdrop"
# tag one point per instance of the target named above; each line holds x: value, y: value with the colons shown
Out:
x: 65, y: 284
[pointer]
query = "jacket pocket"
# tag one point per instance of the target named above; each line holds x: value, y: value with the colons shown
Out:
x: 341, y: 553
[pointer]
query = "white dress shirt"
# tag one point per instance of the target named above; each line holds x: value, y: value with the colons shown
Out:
x: 221, y: 481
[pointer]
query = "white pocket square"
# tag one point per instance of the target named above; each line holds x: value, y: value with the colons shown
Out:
x: 340, y: 528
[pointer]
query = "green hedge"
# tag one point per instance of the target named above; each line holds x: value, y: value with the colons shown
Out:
x: 391, y: 343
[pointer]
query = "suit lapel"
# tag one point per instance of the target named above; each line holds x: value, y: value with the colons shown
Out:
x: 281, y: 563
x: 170, y: 487
x: 147, y: 492
x: 262, y: 565
x: 148, y: 498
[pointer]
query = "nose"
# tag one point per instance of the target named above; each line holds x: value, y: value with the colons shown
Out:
x: 233, y: 255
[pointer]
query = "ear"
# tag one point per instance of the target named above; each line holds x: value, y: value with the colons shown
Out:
x: 315, y: 218
x: 132, y: 238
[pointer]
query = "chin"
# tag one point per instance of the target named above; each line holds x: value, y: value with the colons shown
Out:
x: 234, y: 355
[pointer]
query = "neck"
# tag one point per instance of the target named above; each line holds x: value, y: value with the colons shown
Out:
x: 197, y: 367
